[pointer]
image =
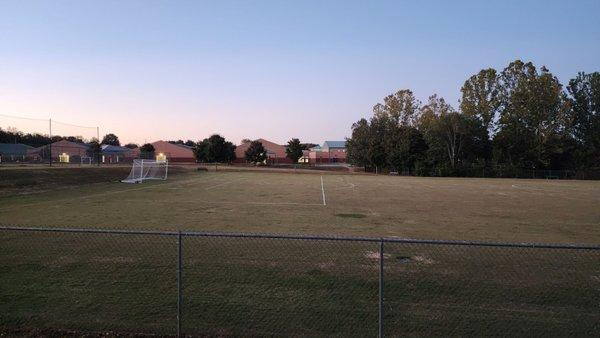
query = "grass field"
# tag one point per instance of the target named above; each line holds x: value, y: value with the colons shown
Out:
x: 364, y: 205
x: 261, y: 287
x: 232, y: 287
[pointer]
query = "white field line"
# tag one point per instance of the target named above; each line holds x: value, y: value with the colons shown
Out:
x: 346, y: 185
x: 323, y: 190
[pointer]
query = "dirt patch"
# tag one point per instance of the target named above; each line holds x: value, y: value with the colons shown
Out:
x: 375, y: 255
x: 423, y: 260
x: 326, y: 265
x: 415, y: 259
x: 114, y: 259
x: 351, y: 215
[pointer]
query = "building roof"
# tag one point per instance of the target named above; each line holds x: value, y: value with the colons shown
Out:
x: 14, y: 148
x: 65, y: 144
x: 273, y: 149
x: 185, y: 146
x: 334, y: 144
x: 107, y: 148
x: 69, y: 147
x: 173, y: 150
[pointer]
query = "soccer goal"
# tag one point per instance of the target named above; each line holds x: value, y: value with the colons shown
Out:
x: 86, y: 160
x: 147, y: 170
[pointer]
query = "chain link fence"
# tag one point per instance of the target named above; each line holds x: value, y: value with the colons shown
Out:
x: 70, y: 281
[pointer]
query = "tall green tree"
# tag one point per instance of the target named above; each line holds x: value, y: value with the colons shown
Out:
x: 131, y: 145
x: 443, y: 134
x: 357, y: 145
x: 215, y: 149
x: 584, y: 91
x: 401, y: 107
x: 535, y: 114
x: 12, y: 135
x: 294, y: 149
x: 111, y: 139
x: 147, y: 151
x: 94, y: 149
x: 75, y: 139
x: 188, y: 143
x: 454, y: 139
x: 378, y: 133
x: 405, y: 148
x: 481, y: 98
x: 201, y: 152
x: 520, y: 118
x: 256, y: 152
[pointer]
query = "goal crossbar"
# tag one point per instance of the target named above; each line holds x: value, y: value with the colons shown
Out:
x: 86, y: 160
x: 142, y: 170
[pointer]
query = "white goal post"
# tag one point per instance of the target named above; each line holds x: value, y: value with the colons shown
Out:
x: 86, y: 160
x: 147, y: 170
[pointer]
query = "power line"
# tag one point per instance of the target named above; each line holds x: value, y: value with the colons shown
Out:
x: 72, y: 125
x: 24, y: 118
x: 46, y: 120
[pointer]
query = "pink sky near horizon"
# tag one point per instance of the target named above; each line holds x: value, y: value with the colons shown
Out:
x: 145, y: 106
x: 149, y: 123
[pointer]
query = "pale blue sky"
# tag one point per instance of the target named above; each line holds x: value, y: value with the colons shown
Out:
x: 150, y: 70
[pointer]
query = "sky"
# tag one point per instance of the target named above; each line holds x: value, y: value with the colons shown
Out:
x: 150, y: 70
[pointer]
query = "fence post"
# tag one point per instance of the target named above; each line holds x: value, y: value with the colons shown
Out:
x: 381, y: 288
x: 179, y: 293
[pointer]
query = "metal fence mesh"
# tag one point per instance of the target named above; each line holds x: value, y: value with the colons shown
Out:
x: 88, y: 282
x: 235, y: 286
x: 232, y: 285
x: 467, y: 290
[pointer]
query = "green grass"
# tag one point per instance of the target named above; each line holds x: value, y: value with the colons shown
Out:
x: 232, y: 287
x: 127, y: 284
x: 413, y: 207
x: 19, y: 180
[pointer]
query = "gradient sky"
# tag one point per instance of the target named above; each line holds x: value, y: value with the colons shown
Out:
x: 149, y: 70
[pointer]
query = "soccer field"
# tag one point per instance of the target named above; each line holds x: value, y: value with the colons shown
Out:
x: 331, y: 204
x: 59, y: 283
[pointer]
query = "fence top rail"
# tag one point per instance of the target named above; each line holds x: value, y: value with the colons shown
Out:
x: 301, y: 237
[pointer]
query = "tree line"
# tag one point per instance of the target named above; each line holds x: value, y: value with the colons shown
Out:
x: 214, y: 149
x: 519, y: 118
x: 12, y: 135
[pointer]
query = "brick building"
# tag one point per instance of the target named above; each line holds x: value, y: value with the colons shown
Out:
x: 164, y: 150
x: 329, y: 152
x: 62, y: 151
x: 275, y: 152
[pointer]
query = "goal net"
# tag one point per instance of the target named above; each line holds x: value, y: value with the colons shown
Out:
x: 147, y: 170
x: 86, y: 160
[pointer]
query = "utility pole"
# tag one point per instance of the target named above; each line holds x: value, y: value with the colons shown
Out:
x: 99, y: 145
x: 50, y: 145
